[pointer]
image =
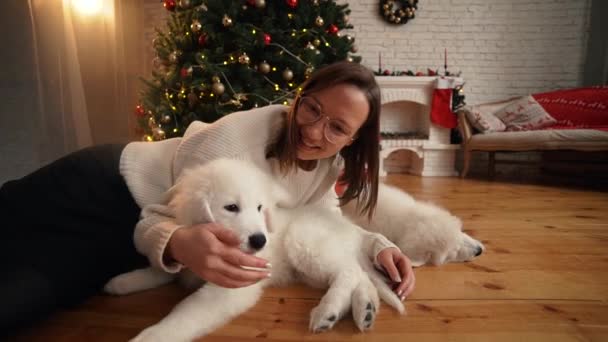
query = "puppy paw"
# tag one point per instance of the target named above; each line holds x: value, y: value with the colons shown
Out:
x: 119, y: 285
x: 322, y: 318
x: 365, y: 304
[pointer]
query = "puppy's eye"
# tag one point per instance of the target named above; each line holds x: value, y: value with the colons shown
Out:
x: 259, y: 207
x: 232, y: 208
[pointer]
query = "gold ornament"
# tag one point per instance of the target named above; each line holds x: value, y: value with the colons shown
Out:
x: 165, y: 119
x: 308, y: 72
x: 152, y: 122
x: 218, y: 88
x: 316, y: 42
x: 174, y: 56
x: 226, y: 21
x: 287, y: 74
x: 236, y: 101
x: 215, y: 79
x: 244, y: 59
x: 319, y: 21
x: 158, y: 133
x: 185, y: 4
x: 196, y: 26
x: 264, y: 67
x: 260, y: 3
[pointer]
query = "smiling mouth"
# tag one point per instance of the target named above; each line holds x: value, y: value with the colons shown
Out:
x: 307, y: 145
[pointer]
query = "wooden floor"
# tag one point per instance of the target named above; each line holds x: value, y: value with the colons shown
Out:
x: 544, y: 277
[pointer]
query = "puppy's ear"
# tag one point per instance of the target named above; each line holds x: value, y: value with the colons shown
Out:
x: 190, y: 201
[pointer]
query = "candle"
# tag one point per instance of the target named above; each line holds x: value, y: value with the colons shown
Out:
x: 379, y: 61
x: 445, y: 61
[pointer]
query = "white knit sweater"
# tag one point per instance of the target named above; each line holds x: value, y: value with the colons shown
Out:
x: 151, y: 168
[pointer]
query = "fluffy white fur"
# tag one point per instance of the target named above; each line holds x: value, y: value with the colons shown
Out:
x: 309, y: 244
x: 426, y: 233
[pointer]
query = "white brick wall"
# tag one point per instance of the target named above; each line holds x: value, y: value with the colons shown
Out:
x: 503, y: 48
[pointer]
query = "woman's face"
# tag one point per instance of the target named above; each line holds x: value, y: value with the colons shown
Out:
x: 328, y: 120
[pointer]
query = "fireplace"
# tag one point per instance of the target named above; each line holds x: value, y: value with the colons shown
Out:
x: 410, y: 142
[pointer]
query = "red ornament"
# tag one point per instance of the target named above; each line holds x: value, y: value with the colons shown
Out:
x: 267, y: 39
x: 292, y: 3
x: 202, y: 40
x: 431, y: 72
x: 139, y: 111
x: 333, y: 29
x: 419, y: 73
x: 386, y: 72
x: 170, y: 5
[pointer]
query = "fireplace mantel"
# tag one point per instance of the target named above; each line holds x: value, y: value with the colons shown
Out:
x: 412, y: 97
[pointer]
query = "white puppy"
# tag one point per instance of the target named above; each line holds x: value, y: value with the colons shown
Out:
x: 311, y: 244
x: 426, y: 233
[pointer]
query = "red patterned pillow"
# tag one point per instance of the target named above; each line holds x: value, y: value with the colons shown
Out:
x: 577, y: 108
x: 525, y: 114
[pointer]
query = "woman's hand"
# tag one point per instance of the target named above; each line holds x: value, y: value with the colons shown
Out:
x: 211, y: 251
x: 399, y: 269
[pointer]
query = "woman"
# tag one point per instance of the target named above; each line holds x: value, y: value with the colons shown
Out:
x: 73, y: 220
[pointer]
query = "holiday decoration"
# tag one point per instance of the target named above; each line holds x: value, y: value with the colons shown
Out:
x: 292, y: 3
x: 196, y: 26
x: 169, y: 5
x: 264, y: 67
x: 287, y: 74
x: 332, y: 29
x: 215, y: 57
x: 226, y: 21
x: 319, y: 22
x: 202, y: 40
x: 398, y: 12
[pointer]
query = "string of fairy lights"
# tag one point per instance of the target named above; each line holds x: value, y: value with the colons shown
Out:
x: 176, y: 95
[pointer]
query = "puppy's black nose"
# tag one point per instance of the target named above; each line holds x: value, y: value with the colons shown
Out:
x: 478, y: 251
x: 257, y: 241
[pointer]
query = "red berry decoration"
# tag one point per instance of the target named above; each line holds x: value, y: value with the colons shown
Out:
x: 170, y: 5
x: 333, y: 29
x: 139, y: 111
x: 267, y: 39
x: 292, y: 3
x: 202, y: 40
x: 184, y: 72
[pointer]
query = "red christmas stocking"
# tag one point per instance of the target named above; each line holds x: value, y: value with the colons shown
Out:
x: 441, y: 107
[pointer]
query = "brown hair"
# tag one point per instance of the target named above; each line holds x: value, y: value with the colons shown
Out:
x: 361, y: 158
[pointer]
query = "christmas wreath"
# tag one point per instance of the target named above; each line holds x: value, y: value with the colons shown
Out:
x: 398, y: 12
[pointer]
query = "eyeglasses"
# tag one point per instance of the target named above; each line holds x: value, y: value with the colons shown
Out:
x: 309, y: 112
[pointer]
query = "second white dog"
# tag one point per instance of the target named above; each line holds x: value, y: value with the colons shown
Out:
x: 311, y: 244
x: 426, y: 233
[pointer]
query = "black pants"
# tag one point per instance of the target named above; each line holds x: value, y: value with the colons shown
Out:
x: 66, y: 229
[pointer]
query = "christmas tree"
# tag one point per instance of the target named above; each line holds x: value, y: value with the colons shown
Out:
x: 217, y: 57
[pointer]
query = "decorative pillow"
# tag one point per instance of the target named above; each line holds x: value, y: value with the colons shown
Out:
x: 525, y: 114
x: 483, y: 119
